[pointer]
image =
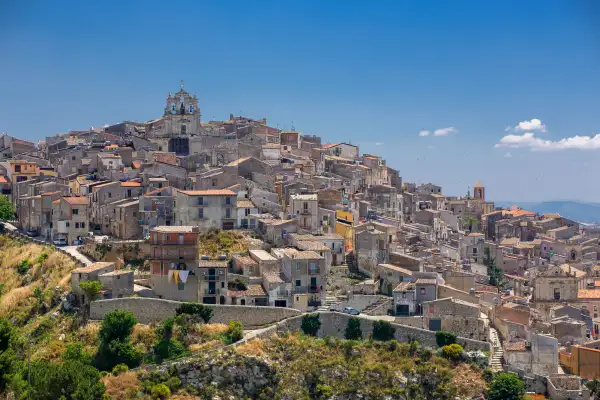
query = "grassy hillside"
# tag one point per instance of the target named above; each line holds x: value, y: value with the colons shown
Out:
x: 32, y: 277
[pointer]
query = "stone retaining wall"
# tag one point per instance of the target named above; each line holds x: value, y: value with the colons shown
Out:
x: 149, y: 310
x: 334, y: 324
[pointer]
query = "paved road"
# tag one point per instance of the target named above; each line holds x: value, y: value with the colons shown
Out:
x: 72, y: 250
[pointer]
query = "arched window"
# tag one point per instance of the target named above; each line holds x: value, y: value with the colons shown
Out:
x: 183, y: 130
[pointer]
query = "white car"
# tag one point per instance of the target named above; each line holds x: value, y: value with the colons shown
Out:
x: 60, y: 242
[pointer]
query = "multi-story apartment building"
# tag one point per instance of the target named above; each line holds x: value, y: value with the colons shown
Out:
x: 206, y: 208
x: 306, y: 208
x: 174, y: 262
x: 212, y: 281
x: 156, y: 209
x: 70, y: 218
x: 306, y: 270
x: 35, y: 213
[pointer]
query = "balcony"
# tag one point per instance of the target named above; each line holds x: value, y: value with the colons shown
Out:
x: 212, y: 278
x: 314, y: 271
x: 211, y: 291
x: 314, y: 289
x: 314, y: 303
x: 305, y: 211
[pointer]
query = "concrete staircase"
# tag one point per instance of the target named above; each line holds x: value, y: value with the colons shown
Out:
x: 330, y: 302
x: 497, y: 355
x: 374, y: 308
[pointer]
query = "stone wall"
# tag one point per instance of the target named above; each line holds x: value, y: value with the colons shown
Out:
x: 334, y: 324
x: 149, y: 310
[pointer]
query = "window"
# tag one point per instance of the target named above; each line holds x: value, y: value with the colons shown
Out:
x: 183, y: 130
x: 228, y: 200
x: 75, y: 211
x: 200, y: 201
x: 82, y: 225
x: 128, y: 192
x: 135, y: 214
x: 247, y: 212
x: 474, y: 250
x: 422, y: 290
x: 595, y: 308
x: 76, y: 225
x: 556, y: 294
x: 305, y: 206
x: 403, y: 295
x: 228, y: 213
x: 67, y: 224
x: 298, y: 283
x: 297, y: 266
x: 201, y: 213
x: 109, y: 195
x: 214, y: 182
x: 180, y: 286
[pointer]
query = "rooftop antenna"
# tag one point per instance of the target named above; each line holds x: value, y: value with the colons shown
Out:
x: 182, y: 84
x: 293, y: 129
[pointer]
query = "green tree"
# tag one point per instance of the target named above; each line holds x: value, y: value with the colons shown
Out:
x: 117, y: 325
x: 91, y: 289
x: 167, y: 347
x: 353, y: 331
x: 383, y: 331
x: 443, y: 338
x: 311, y: 324
x: 7, y: 211
x: 161, y: 392
x: 496, y: 275
x: 506, y: 386
x: 76, y: 352
x: 70, y: 380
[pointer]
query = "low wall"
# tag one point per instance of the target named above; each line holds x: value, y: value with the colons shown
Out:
x: 18, y: 235
x: 148, y: 310
x: 334, y: 324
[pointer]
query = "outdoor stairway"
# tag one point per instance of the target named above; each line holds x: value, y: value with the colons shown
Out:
x: 352, y: 263
x: 330, y: 302
x: 497, y: 356
x: 376, y: 305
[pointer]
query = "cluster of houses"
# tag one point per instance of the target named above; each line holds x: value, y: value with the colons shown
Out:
x: 528, y: 283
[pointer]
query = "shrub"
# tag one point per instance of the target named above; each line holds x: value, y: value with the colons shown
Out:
x: 324, y: 391
x: 117, y: 352
x: 117, y: 325
x: 201, y: 310
x: 41, y: 258
x: 91, y: 289
x: 311, y: 324
x: 168, y: 348
x: 76, y: 352
x: 23, y: 267
x: 452, y: 351
x: 506, y: 386
x: 119, y: 369
x: 54, y: 380
x: 383, y: 331
x: 353, y: 331
x: 443, y: 338
x: 235, y: 331
x: 161, y: 391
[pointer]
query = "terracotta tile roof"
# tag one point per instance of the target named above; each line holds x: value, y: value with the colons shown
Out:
x: 93, y: 267
x: 245, y: 203
x: 174, y: 229
x: 212, y: 264
x: 588, y: 294
x: 153, y: 192
x: 215, y: 192
x: 396, y: 268
x: 404, y: 286
x: 515, y: 277
x: 426, y: 281
x: 237, y: 162
x: 3, y: 179
x: 136, y: 164
x: 131, y: 184
x: 311, y: 245
x: 76, y: 201
x: 251, y: 291
x: 244, y: 261
x: 518, y: 213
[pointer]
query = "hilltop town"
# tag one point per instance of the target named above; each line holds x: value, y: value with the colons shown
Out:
x: 281, y: 224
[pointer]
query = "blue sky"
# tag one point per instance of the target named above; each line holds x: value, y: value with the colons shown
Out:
x: 372, y: 73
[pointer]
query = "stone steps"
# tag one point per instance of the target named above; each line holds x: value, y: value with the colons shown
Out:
x: 497, y: 357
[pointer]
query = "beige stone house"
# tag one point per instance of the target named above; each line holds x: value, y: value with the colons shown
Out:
x: 70, y: 218
x: 458, y: 316
x: 206, y: 208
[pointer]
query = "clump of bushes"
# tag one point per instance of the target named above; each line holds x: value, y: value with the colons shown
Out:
x: 353, y: 331
x: 115, y: 344
x: 383, y: 331
x: 196, y: 310
x: 443, y: 338
x: 311, y: 324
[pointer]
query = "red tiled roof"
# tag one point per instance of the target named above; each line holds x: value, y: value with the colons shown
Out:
x: 215, y: 192
x: 130, y: 184
x: 76, y: 201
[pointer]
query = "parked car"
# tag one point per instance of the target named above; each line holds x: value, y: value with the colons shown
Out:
x: 351, y: 311
x: 60, y: 242
x: 32, y: 233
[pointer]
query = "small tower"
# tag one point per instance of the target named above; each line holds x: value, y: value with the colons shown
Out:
x: 479, y: 191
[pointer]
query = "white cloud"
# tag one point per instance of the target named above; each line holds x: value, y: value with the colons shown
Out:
x: 379, y: 143
x: 528, y: 126
x: 445, y: 131
x: 508, y: 155
x: 530, y: 141
x: 424, y: 133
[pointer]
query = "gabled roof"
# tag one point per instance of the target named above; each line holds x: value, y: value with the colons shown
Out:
x: 76, y: 201
x: 214, y: 192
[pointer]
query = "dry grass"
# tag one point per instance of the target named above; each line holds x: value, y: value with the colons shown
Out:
x: 210, y: 330
x: 120, y: 387
x: 184, y: 397
x: 214, y: 243
x: 252, y: 348
x: 468, y: 380
x: 53, y: 271
x: 205, y: 346
x: 144, y: 336
x: 49, y: 352
x: 88, y: 335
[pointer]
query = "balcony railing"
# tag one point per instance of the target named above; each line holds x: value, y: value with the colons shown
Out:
x: 212, y: 278
x: 305, y: 211
x: 314, y: 271
x: 211, y: 291
x: 314, y: 303
x: 314, y: 289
